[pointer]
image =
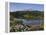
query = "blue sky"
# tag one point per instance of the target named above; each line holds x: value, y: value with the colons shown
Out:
x: 23, y: 6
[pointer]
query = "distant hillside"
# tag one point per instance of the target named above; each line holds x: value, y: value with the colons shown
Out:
x: 28, y: 14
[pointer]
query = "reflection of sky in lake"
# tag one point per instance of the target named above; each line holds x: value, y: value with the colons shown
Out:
x: 35, y: 22
x: 22, y: 6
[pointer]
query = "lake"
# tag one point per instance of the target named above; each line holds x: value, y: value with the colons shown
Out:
x: 30, y: 22
x: 34, y: 22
